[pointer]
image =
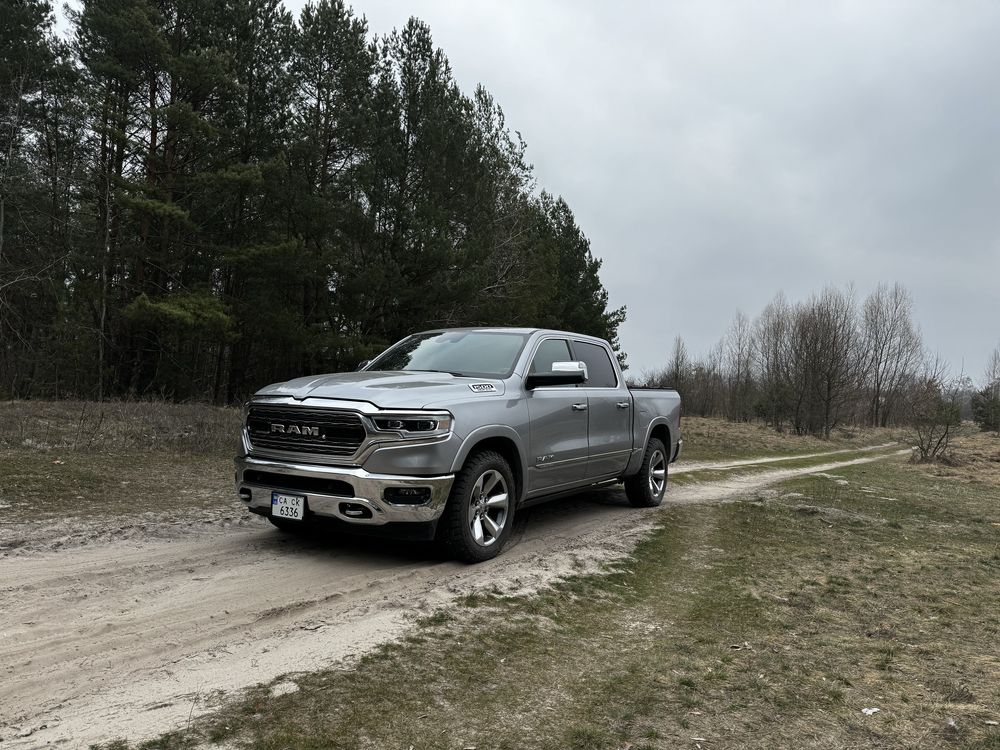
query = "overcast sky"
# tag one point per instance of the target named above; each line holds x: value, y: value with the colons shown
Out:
x: 717, y: 153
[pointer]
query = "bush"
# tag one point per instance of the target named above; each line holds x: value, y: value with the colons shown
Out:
x: 934, y: 414
x: 986, y: 407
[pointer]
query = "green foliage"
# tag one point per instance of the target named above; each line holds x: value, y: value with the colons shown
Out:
x: 986, y: 407
x: 215, y: 196
x: 185, y: 312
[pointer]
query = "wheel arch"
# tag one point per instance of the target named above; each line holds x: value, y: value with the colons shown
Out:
x: 501, y: 439
x: 658, y: 428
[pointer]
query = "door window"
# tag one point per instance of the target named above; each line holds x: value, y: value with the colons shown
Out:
x: 549, y: 351
x: 600, y: 371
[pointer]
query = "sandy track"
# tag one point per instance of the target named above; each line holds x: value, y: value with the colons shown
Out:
x: 689, y: 466
x: 129, y: 639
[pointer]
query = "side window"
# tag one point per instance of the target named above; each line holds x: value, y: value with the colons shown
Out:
x: 600, y: 371
x: 549, y: 351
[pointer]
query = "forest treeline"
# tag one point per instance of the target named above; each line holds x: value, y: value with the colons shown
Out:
x: 198, y: 197
x: 829, y: 361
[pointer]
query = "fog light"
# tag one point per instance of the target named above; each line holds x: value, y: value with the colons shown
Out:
x: 407, y: 495
x: 355, y: 510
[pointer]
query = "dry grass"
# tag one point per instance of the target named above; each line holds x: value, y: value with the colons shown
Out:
x: 767, y: 622
x: 974, y: 457
x: 67, y: 464
x: 118, y: 427
x: 717, y: 439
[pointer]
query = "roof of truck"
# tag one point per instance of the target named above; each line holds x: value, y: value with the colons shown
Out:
x: 513, y: 329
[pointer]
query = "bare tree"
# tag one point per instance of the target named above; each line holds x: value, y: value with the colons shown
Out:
x: 892, y: 350
x: 771, y: 352
x: 675, y: 374
x: 679, y: 366
x: 703, y: 394
x: 816, y: 364
x: 823, y: 367
x: 738, y: 356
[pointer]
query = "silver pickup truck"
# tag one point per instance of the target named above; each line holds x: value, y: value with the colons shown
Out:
x: 447, y: 433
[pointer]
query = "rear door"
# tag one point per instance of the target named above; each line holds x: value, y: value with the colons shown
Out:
x: 609, y: 433
x: 558, y: 424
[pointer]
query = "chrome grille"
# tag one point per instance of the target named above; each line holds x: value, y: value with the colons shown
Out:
x: 340, y: 433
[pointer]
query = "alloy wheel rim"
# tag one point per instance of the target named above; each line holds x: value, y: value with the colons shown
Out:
x: 488, y: 508
x: 657, y: 473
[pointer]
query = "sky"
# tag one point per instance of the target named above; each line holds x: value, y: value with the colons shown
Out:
x: 716, y: 153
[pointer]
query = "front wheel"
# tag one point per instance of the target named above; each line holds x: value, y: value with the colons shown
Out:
x: 480, y: 509
x: 646, y: 489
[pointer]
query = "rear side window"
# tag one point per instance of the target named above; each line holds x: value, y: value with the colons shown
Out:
x: 549, y: 351
x: 600, y: 371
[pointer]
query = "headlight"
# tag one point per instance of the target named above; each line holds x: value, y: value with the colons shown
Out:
x: 414, y: 425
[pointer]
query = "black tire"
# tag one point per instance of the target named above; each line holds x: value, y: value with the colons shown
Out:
x: 646, y: 489
x: 475, y: 495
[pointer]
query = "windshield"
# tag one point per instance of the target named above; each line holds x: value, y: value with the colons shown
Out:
x: 489, y: 354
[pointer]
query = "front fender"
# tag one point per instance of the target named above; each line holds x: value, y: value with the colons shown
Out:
x: 487, y: 432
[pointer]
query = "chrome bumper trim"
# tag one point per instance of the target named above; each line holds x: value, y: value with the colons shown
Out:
x: 368, y: 491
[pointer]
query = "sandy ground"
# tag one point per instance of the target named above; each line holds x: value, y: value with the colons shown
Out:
x: 131, y: 636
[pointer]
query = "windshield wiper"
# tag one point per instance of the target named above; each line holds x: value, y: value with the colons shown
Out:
x: 447, y: 372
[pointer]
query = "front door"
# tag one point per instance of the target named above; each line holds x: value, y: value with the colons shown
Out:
x: 558, y: 424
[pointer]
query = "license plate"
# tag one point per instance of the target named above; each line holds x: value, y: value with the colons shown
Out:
x: 288, y: 506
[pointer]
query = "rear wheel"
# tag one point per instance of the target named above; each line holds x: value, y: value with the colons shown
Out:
x: 480, y: 509
x: 647, y: 487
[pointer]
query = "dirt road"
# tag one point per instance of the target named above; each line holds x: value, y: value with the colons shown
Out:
x: 133, y: 637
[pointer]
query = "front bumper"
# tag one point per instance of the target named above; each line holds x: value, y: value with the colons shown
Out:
x: 360, y: 497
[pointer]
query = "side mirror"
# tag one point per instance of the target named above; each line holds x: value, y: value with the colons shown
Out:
x: 562, y: 373
x: 363, y: 364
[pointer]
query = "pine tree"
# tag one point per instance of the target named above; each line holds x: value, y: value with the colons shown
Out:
x: 211, y: 196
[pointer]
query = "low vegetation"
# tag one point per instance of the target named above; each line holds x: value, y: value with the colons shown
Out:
x: 112, y: 463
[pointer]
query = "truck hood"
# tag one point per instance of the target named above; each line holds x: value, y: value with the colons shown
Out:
x: 387, y: 390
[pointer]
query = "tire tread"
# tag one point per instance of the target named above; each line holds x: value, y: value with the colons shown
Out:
x: 637, y: 486
x: 451, y: 528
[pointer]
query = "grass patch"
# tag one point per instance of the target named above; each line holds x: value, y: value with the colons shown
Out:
x: 716, y: 439
x: 118, y: 427
x: 65, y: 461
x: 39, y: 489
x: 756, y: 624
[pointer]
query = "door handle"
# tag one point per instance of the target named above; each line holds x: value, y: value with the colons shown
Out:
x: 579, y: 407
x: 623, y: 404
